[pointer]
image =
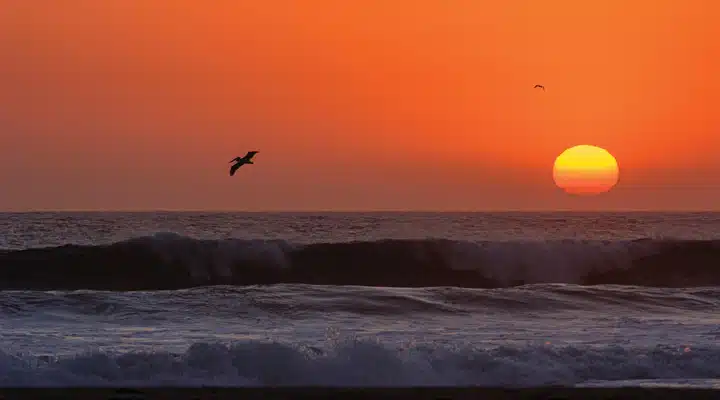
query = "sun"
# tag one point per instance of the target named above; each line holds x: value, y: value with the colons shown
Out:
x: 585, y: 170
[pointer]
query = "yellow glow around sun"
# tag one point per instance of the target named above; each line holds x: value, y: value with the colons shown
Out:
x: 585, y: 170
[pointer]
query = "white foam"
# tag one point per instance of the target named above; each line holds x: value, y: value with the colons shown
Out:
x: 365, y: 363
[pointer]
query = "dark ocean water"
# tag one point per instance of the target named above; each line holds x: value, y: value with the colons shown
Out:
x: 380, y: 299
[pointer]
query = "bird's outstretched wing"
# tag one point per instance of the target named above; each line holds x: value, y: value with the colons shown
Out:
x: 234, y: 168
x: 249, y: 155
x: 539, y: 86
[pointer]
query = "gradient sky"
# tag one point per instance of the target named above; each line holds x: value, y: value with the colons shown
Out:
x: 356, y: 104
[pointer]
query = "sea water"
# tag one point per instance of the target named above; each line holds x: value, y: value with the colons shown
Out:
x: 359, y: 299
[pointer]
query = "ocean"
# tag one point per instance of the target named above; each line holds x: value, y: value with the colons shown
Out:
x: 359, y: 299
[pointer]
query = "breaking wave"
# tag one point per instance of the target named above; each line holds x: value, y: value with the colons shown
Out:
x: 355, y: 363
x: 170, y: 261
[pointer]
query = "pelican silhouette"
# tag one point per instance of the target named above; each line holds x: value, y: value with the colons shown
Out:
x: 240, y: 161
x: 539, y: 86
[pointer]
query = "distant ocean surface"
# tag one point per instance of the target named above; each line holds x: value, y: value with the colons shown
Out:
x: 359, y: 299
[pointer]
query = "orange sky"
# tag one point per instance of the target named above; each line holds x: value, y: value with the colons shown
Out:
x: 355, y: 105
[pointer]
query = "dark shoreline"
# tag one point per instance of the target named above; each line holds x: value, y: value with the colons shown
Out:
x: 370, y: 393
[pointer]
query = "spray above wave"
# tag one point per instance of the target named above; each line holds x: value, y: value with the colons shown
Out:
x: 169, y: 261
x: 361, y: 363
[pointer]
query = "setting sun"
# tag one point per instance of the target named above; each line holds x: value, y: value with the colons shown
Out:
x: 585, y: 170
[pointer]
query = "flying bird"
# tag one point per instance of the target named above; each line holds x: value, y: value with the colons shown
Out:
x: 539, y: 86
x: 240, y: 161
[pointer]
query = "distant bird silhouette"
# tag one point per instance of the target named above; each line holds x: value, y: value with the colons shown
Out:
x: 240, y: 161
x: 539, y: 86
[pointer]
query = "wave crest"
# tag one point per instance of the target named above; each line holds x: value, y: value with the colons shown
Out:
x: 170, y: 261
